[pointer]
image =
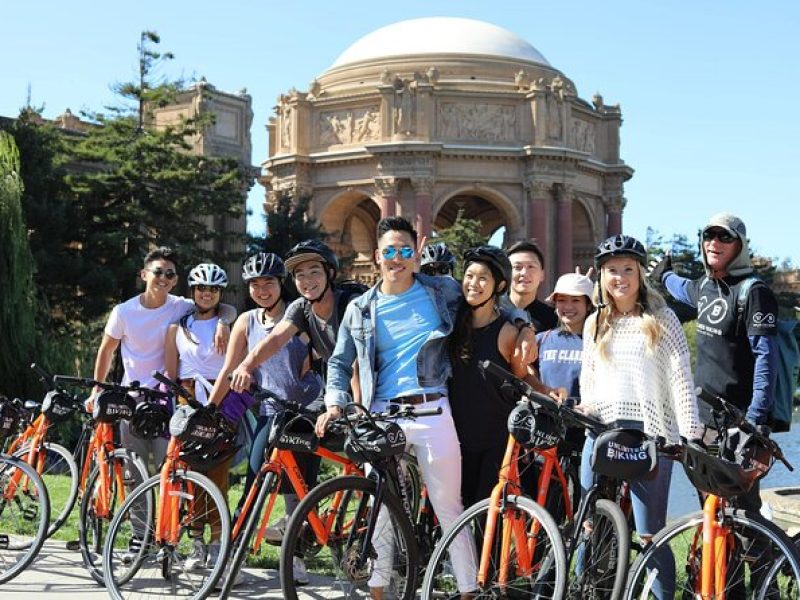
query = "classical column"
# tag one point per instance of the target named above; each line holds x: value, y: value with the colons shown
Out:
x: 614, y: 206
x: 538, y: 199
x: 423, y: 190
x: 386, y: 195
x: 564, y: 229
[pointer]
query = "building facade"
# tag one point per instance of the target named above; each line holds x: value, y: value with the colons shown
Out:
x: 431, y: 117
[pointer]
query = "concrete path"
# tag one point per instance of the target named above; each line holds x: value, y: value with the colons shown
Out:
x: 59, y: 573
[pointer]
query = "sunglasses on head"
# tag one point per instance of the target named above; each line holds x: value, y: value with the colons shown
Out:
x: 207, y: 288
x: 723, y: 236
x: 158, y: 272
x: 390, y: 252
x: 436, y: 269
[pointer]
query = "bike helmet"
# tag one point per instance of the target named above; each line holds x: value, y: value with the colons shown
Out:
x: 730, y: 470
x: 497, y: 261
x: 620, y: 245
x: 263, y: 264
x: 311, y: 250
x: 207, y: 439
x: 533, y: 428
x: 150, y: 420
x: 208, y: 274
x: 437, y: 258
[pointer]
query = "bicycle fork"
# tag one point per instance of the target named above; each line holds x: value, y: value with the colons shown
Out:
x: 713, y: 572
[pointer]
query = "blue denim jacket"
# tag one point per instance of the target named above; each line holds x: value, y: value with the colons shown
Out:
x: 356, y: 341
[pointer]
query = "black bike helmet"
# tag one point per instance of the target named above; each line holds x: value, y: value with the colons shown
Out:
x: 111, y: 406
x: 497, y: 261
x: 437, y: 259
x: 728, y: 471
x: 620, y: 245
x: 311, y: 250
x: 150, y: 420
x: 533, y: 428
x: 263, y: 264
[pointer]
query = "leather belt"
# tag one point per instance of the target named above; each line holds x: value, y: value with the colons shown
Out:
x: 415, y: 399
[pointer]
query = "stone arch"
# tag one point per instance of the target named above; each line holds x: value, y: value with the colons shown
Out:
x: 584, y: 238
x: 493, y: 208
x: 350, y: 218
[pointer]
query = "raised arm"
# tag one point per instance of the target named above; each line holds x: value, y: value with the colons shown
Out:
x: 277, y: 339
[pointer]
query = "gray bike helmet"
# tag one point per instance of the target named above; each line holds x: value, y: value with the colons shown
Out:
x: 620, y: 245
x: 437, y: 256
x: 263, y: 264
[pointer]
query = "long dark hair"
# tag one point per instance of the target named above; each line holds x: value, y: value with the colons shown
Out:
x: 460, y: 343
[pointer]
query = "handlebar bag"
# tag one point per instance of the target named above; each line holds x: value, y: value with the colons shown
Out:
x: 112, y: 406
x: 57, y: 406
x: 9, y: 418
x: 625, y: 454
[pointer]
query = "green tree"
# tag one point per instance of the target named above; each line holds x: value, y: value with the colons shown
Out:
x: 288, y: 223
x: 462, y: 235
x: 18, y: 306
x: 137, y: 187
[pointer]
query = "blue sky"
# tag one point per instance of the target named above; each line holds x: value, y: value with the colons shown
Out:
x: 707, y: 88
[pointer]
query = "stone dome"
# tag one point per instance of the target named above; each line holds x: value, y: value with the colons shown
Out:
x: 438, y: 36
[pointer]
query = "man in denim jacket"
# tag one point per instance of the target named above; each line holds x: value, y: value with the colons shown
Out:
x: 397, y: 334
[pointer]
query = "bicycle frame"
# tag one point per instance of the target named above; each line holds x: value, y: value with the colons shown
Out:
x: 551, y: 464
x: 283, y: 462
x: 100, y: 446
x: 168, y: 527
x: 714, y: 560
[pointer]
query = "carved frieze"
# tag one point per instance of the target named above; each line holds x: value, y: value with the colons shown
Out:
x: 583, y: 136
x: 405, y: 165
x: 349, y: 126
x: 477, y: 121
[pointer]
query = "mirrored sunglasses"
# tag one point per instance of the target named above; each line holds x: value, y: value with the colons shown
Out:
x: 170, y: 274
x: 390, y: 252
x: 723, y: 236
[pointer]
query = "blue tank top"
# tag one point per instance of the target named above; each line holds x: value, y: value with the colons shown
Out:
x: 280, y: 374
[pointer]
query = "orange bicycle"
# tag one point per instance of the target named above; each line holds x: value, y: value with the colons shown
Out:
x: 156, y: 528
x: 721, y: 552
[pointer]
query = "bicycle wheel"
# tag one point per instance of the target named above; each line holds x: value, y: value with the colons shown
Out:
x: 124, y: 471
x: 762, y: 562
x: 536, y: 564
x: 60, y: 474
x: 350, y: 560
x: 24, y: 516
x: 137, y: 565
x: 600, y: 564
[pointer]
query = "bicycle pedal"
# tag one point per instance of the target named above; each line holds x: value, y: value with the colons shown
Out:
x: 4, y: 542
x: 30, y: 513
x: 73, y: 545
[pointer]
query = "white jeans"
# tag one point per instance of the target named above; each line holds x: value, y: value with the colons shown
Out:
x: 433, y: 440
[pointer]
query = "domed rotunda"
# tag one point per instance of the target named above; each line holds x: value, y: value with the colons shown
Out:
x: 430, y: 117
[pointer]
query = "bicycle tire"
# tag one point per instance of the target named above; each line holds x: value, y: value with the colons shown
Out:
x: 28, y: 510
x: 58, y: 460
x: 91, y: 528
x: 767, y: 561
x: 547, y: 577
x: 239, y: 547
x: 145, y: 560
x: 335, y: 567
x: 600, y: 568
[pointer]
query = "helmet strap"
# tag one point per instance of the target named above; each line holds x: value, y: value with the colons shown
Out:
x: 322, y: 294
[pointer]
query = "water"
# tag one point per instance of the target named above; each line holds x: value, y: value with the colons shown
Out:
x: 683, y: 496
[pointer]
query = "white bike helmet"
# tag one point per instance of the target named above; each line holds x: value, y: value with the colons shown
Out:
x: 208, y: 274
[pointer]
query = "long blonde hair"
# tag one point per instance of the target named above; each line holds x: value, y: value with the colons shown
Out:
x: 649, y: 302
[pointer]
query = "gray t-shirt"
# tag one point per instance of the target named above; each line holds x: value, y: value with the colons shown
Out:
x: 322, y: 333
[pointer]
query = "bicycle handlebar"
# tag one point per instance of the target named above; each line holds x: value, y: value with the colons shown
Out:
x: 177, y: 388
x: 564, y: 410
x: 736, y: 418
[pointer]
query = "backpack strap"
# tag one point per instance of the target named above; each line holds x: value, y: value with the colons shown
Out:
x: 741, y: 300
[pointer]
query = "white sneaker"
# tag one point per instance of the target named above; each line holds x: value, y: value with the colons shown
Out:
x: 273, y: 534
x: 197, y: 558
x: 133, y: 551
x: 299, y: 571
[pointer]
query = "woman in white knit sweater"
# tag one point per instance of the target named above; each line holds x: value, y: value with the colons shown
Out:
x: 636, y: 368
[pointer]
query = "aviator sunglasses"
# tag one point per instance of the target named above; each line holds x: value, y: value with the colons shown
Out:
x: 723, y: 236
x: 170, y: 274
x: 390, y: 252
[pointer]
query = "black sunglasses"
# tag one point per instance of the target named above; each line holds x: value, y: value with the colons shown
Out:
x: 207, y: 288
x: 723, y: 236
x: 162, y: 273
x: 436, y: 269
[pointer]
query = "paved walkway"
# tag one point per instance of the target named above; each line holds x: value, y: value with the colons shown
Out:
x: 59, y: 573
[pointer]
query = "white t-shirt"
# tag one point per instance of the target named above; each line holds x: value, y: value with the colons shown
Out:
x: 198, y: 359
x: 142, y: 332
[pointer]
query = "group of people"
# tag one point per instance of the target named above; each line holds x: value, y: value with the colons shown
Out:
x: 417, y: 336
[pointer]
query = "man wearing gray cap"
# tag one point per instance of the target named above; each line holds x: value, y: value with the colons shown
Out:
x: 736, y: 355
